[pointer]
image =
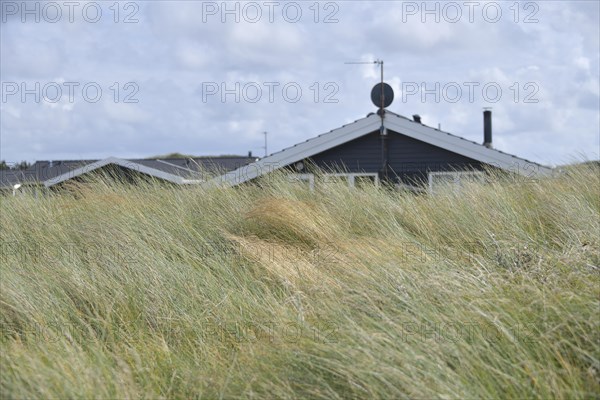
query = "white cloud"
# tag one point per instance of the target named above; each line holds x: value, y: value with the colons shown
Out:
x: 582, y: 62
x: 171, y: 52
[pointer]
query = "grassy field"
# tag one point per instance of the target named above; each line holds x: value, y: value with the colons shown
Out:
x: 280, y: 292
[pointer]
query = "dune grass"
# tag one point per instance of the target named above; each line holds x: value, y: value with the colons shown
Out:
x: 274, y: 291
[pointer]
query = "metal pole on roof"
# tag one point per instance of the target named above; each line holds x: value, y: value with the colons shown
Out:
x: 381, y: 112
x: 382, y: 132
x: 382, y: 100
x: 265, y: 133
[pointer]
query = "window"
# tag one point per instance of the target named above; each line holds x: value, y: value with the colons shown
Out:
x: 307, y: 179
x: 454, y: 179
x: 363, y: 181
x: 354, y: 180
x: 329, y: 179
x: 410, y: 188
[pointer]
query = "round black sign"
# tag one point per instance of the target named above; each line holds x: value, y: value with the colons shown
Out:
x: 388, y: 95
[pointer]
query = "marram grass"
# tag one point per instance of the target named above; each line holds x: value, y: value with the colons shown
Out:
x: 274, y: 291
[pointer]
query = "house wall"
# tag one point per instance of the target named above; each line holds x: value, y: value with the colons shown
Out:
x: 409, y: 159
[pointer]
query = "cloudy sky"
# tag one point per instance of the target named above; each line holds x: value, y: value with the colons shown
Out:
x: 85, y: 80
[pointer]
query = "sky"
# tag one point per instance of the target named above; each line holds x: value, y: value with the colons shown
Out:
x: 135, y: 79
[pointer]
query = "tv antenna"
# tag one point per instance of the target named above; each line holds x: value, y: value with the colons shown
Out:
x: 380, y: 62
x: 382, y: 94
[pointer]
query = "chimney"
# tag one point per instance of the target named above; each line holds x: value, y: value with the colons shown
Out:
x: 417, y: 118
x: 487, y: 129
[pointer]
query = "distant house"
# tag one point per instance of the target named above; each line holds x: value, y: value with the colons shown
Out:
x: 181, y: 171
x: 394, y: 149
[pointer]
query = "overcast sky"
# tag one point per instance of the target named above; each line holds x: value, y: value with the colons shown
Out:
x: 88, y: 80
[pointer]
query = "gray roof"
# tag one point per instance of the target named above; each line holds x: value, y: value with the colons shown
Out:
x: 465, y: 147
x: 9, y: 178
x: 371, y: 123
x: 186, y: 166
x: 177, y: 170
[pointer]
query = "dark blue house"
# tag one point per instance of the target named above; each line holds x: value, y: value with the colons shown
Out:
x: 393, y: 149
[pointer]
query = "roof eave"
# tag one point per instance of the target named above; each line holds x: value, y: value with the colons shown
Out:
x: 298, y: 152
x: 466, y: 148
x: 115, y: 161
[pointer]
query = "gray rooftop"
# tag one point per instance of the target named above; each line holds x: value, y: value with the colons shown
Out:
x: 189, y: 168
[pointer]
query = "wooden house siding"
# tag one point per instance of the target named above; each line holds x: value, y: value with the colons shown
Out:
x: 408, y: 158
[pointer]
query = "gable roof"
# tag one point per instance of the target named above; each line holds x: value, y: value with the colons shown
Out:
x: 182, y: 171
x: 131, y: 165
x: 300, y: 151
x: 10, y: 177
x: 464, y: 147
x: 177, y: 170
x: 369, y: 124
